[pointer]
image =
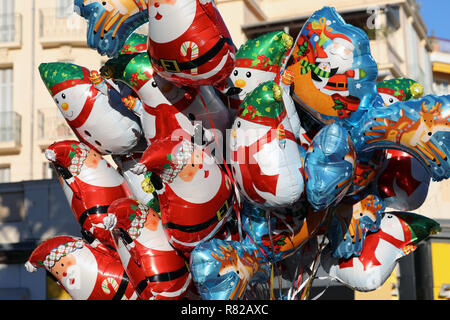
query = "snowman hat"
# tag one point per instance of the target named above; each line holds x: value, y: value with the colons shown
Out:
x: 135, y: 70
x: 265, y: 52
x: 58, y: 76
x: 136, y: 42
x: 69, y: 153
x: 264, y: 105
x: 50, y: 251
x: 168, y: 157
x: 402, y: 88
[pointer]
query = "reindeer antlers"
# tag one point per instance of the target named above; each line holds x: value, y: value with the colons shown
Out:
x: 436, y: 108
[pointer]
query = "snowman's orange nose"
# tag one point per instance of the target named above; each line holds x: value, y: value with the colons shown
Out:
x: 240, y: 83
x: 65, y: 106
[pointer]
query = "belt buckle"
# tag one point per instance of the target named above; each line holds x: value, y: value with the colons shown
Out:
x: 222, y: 211
x: 170, y: 65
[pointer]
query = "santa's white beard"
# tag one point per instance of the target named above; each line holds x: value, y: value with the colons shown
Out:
x: 339, y: 60
x: 173, y: 20
x: 81, y: 278
x: 154, y: 239
x: 202, y: 188
x: 102, y: 176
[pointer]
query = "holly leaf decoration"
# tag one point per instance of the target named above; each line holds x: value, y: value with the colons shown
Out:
x: 339, y: 105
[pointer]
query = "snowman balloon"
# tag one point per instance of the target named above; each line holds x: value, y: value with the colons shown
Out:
x: 88, y: 111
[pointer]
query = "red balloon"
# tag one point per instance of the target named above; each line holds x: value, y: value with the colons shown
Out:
x: 195, y: 194
x: 402, y: 182
x: 189, y: 43
x: 90, y: 183
x: 154, y: 267
x: 85, y: 272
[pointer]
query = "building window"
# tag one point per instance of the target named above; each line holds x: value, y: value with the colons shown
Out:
x: 7, y: 21
x: 6, y: 103
x: 64, y: 8
x: 5, y: 174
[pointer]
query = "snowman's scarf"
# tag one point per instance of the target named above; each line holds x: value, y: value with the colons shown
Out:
x: 86, y: 111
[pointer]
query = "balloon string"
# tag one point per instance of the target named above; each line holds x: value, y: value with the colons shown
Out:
x: 315, y: 266
x: 236, y: 204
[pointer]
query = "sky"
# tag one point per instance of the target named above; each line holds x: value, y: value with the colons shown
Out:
x: 435, y: 15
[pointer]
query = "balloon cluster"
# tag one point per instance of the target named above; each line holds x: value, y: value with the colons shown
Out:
x: 235, y: 166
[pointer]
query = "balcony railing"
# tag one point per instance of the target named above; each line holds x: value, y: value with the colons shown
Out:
x: 61, y: 29
x: 10, y: 29
x: 10, y: 132
x: 441, y: 45
x: 52, y: 126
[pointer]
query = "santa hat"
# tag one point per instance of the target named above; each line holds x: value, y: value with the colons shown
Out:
x: 403, y: 89
x: 326, y: 39
x: 131, y: 215
x: 50, y: 251
x: 265, y: 52
x: 135, y: 70
x: 69, y: 153
x: 264, y: 105
x: 167, y: 157
x: 58, y: 76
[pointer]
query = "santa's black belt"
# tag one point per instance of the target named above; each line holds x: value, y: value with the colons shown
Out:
x: 92, y: 210
x: 171, y: 65
x: 122, y: 287
x: 337, y: 85
x: 161, y: 277
x: 201, y: 226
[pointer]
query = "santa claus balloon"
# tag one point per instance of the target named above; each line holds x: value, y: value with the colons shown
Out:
x: 90, y: 184
x: 195, y: 195
x: 155, y: 268
x: 189, y: 43
x: 85, y: 272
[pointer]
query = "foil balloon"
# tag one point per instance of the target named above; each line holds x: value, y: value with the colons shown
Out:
x: 264, y: 154
x: 401, y: 89
x: 111, y: 22
x: 134, y: 181
x: 329, y: 166
x: 161, y: 272
x: 402, y: 182
x: 195, y: 195
x: 160, y: 99
x: 333, y: 69
x: 221, y: 270
x: 85, y: 272
x: 257, y: 61
x: 399, y: 234
x: 278, y: 234
x: 88, y: 111
x: 368, y: 166
x: 419, y: 127
x: 189, y: 43
x: 90, y: 185
x: 350, y: 225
